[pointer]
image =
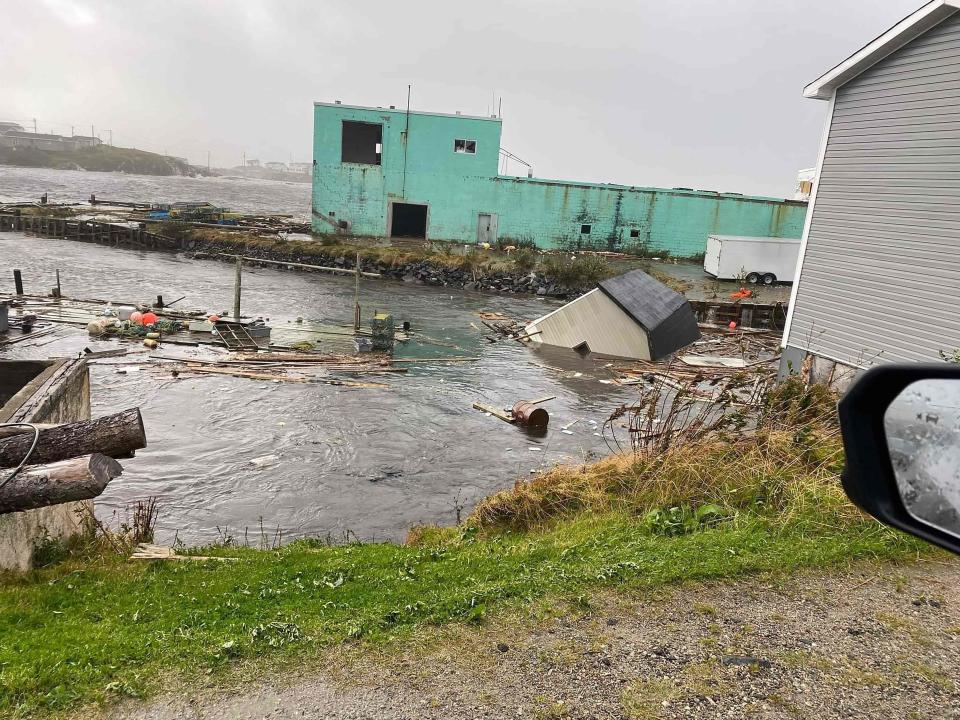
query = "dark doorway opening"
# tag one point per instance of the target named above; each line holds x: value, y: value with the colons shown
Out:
x: 361, y: 142
x: 409, y: 221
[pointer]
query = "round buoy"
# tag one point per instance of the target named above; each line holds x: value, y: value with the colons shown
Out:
x: 136, y: 317
x: 733, y: 325
x: 148, y: 318
x: 213, y: 318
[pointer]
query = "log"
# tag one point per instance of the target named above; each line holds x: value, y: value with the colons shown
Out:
x: 37, y: 486
x: 113, y: 435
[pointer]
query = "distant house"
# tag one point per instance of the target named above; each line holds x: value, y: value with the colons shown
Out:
x: 6, y: 126
x: 44, y: 141
x: 80, y: 141
x: 253, y: 163
x: 879, y: 267
x: 276, y: 166
x: 629, y: 316
x: 304, y: 168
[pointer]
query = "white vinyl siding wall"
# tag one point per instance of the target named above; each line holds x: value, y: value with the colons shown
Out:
x: 596, y: 320
x: 880, y: 279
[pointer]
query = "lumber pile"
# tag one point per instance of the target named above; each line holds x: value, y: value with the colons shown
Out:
x: 723, y: 362
x: 65, y: 463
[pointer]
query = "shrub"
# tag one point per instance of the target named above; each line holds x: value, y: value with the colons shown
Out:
x: 577, y: 272
x: 525, y: 259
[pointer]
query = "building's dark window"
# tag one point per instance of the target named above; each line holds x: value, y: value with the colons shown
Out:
x: 584, y: 229
x: 465, y: 146
x: 362, y: 142
x: 634, y: 233
x: 408, y: 220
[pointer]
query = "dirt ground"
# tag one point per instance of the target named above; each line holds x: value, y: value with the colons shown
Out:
x: 867, y: 642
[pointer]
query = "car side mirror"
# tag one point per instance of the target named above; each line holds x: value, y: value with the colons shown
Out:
x: 901, y: 434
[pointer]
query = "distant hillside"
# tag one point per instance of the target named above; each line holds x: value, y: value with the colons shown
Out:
x: 99, y: 159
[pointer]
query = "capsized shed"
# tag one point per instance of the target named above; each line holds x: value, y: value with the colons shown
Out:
x: 630, y: 316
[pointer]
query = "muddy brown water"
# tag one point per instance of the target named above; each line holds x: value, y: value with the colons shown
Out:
x: 318, y: 460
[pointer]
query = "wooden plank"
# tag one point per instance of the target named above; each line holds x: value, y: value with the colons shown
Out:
x: 496, y: 412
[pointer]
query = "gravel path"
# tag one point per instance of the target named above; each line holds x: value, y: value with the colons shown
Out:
x: 869, y: 642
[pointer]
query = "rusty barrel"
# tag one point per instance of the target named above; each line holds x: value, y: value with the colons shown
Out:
x: 526, y: 413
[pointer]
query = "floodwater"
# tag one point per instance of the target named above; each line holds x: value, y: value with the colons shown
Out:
x: 247, y: 195
x: 316, y: 459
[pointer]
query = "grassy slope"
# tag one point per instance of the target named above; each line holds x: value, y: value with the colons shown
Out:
x: 92, y: 629
x: 89, y: 631
x: 582, y: 271
x: 100, y: 159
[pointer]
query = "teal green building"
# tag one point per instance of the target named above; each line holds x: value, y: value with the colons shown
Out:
x: 383, y: 172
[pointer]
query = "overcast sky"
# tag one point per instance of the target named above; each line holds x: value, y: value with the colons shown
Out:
x: 670, y: 93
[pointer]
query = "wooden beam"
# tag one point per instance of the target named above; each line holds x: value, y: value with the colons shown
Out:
x: 115, y: 435
x: 496, y: 412
x: 37, y: 486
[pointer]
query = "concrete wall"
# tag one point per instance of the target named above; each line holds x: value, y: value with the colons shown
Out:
x: 60, y: 393
x: 424, y: 169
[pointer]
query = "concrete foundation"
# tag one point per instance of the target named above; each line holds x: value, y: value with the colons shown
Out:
x: 820, y: 370
x: 41, y: 391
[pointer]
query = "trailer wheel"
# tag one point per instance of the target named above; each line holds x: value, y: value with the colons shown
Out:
x: 769, y: 278
x: 753, y: 278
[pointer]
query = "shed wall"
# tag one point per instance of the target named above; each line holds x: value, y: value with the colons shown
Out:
x: 595, y: 319
x: 880, y: 279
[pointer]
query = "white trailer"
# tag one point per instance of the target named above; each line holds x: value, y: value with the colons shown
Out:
x: 752, y: 259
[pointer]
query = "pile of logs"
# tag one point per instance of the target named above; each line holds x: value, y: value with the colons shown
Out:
x: 69, y: 462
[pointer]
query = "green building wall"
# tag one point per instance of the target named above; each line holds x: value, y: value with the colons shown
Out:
x: 421, y: 167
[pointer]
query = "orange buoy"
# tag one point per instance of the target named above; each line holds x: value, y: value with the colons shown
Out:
x: 148, y: 318
x: 136, y: 317
x: 733, y: 325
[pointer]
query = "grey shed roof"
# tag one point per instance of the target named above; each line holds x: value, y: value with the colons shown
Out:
x: 665, y: 314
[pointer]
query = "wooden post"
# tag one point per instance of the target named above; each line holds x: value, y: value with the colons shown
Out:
x: 18, y: 282
x: 236, y: 291
x: 356, y: 295
x: 58, y: 283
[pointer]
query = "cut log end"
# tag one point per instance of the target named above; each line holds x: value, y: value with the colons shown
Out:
x: 37, y: 486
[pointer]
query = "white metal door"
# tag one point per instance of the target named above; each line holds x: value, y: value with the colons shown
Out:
x: 487, y: 228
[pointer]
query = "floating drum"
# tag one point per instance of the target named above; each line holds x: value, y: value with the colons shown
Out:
x: 526, y: 413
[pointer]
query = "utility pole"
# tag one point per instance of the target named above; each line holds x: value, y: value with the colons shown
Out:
x: 71, y: 131
x: 92, y: 136
x: 243, y: 159
x: 111, y: 137
x: 34, y: 126
x: 208, y: 161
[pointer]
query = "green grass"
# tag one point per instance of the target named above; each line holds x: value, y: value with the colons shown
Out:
x: 97, y: 629
x: 94, y: 628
